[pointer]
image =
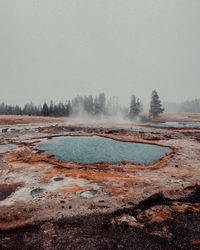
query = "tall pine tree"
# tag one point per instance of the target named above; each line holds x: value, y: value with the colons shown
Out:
x: 155, y: 106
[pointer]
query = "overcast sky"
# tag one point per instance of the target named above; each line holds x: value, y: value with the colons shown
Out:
x: 56, y: 49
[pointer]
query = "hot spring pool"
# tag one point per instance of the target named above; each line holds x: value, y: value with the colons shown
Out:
x: 93, y: 149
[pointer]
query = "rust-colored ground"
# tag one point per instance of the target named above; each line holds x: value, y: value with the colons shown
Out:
x: 135, y: 205
x: 13, y: 119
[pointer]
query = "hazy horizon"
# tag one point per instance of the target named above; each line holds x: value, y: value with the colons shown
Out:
x: 55, y: 50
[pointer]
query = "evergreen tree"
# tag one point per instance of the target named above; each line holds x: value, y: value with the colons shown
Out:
x: 68, y: 108
x: 51, y: 109
x: 102, y: 103
x: 97, y: 108
x: 155, y: 106
x: 45, y: 110
x: 135, y: 107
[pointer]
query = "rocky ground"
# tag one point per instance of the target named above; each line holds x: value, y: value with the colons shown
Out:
x: 48, y: 204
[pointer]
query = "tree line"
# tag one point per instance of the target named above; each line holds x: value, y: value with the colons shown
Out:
x: 90, y: 105
x: 192, y: 106
x: 82, y: 105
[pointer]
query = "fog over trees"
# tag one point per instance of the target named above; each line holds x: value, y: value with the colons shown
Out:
x: 135, y: 107
x: 80, y: 105
x: 192, y: 106
x: 100, y: 106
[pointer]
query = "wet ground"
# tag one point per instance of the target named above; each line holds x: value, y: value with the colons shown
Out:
x: 47, y: 204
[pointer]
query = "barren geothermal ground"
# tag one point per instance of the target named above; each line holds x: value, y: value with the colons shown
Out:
x: 49, y: 204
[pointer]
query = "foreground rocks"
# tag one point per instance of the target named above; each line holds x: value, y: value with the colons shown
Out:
x: 155, y: 223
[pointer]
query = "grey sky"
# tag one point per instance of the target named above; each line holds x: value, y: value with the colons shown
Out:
x: 56, y: 49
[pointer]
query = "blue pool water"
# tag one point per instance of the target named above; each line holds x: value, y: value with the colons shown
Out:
x: 93, y: 149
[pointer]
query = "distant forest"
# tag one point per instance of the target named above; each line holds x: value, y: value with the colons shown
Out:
x: 80, y: 105
x: 96, y: 106
x: 192, y: 106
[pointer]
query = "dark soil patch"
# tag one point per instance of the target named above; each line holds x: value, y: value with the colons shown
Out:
x: 6, y: 190
x: 58, y: 179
